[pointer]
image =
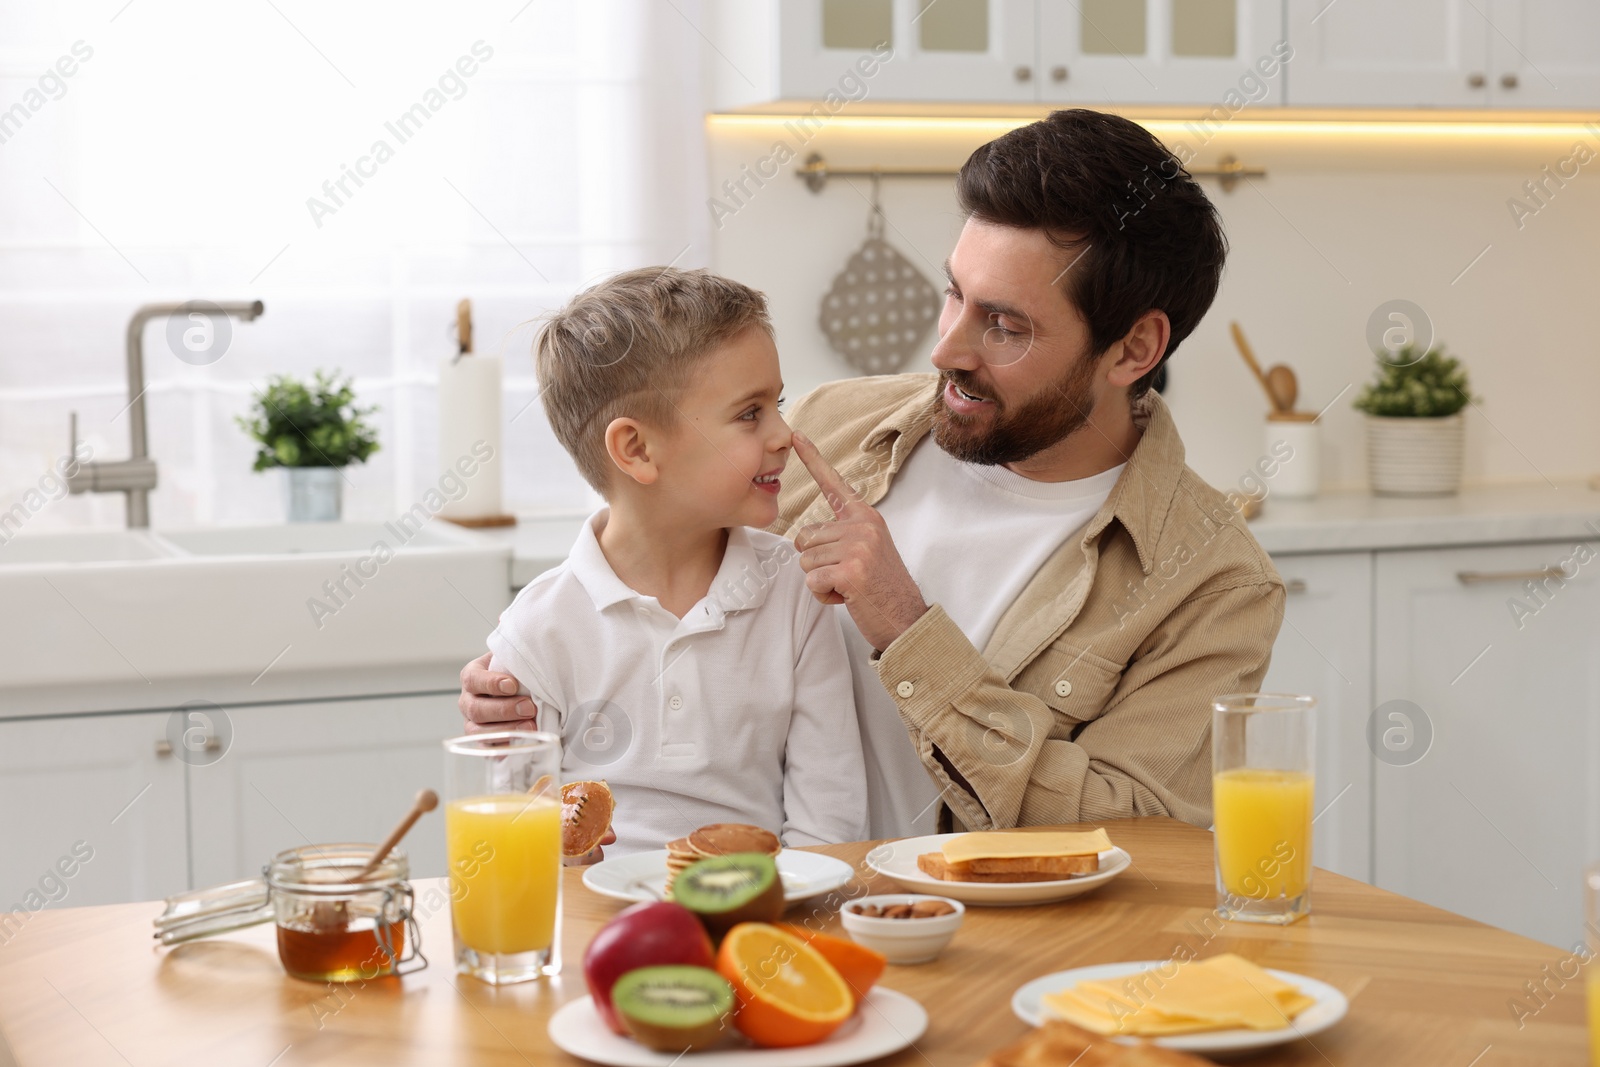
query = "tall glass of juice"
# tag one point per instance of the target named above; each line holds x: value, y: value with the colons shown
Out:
x: 502, y: 825
x: 1262, y: 786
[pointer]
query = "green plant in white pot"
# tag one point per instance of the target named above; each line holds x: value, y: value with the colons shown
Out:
x: 1415, y: 430
x: 312, y: 430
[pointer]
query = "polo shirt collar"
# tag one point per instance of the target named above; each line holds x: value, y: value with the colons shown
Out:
x: 741, y: 581
x: 746, y: 576
x: 1139, y: 501
x: 590, y: 567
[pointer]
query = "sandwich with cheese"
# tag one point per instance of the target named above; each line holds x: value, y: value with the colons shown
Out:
x: 993, y: 856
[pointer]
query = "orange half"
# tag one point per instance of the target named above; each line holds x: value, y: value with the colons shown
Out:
x: 858, y: 965
x: 788, y: 993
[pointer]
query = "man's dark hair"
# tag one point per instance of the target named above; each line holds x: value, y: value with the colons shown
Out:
x: 1104, y: 189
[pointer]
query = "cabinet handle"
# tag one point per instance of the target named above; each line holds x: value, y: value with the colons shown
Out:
x: 1023, y: 73
x: 1508, y: 81
x: 1295, y: 585
x: 1475, y: 80
x: 1058, y: 74
x: 1480, y: 577
x: 163, y: 747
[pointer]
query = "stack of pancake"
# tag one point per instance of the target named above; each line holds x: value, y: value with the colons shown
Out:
x: 718, y: 839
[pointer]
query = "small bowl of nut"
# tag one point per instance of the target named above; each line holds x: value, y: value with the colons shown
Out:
x: 905, y: 927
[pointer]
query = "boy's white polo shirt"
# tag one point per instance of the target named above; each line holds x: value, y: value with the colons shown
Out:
x: 741, y: 711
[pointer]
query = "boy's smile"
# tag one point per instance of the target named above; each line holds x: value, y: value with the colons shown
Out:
x: 769, y: 480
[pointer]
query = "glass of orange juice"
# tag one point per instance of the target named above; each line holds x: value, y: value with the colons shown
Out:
x: 502, y: 826
x: 1262, y: 785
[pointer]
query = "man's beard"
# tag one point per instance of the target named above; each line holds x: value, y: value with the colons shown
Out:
x: 1058, y: 410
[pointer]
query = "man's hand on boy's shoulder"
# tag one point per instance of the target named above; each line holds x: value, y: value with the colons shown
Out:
x: 489, y: 700
x: 851, y: 559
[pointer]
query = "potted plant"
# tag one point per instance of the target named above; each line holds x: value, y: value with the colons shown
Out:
x: 1414, y: 423
x: 311, y: 430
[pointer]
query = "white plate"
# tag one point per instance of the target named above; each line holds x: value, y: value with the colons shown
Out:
x: 887, y: 1022
x: 897, y: 860
x: 1329, y: 1007
x: 643, y: 875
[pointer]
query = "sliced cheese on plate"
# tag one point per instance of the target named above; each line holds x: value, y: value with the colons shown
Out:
x: 1220, y: 993
x: 990, y: 845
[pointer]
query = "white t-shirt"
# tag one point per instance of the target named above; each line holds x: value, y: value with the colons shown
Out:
x: 973, y: 537
x: 738, y: 712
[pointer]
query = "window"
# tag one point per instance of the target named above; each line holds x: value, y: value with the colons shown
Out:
x: 359, y: 168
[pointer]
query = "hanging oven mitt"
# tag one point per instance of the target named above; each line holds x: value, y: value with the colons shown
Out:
x: 880, y: 307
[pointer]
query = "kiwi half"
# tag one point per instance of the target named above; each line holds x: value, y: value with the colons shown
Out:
x: 673, y: 1009
x: 727, y: 890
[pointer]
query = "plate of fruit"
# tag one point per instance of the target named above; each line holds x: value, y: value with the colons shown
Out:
x: 729, y: 985
x: 654, y: 875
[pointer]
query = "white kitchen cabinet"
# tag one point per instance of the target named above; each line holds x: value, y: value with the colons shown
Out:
x: 1161, y: 51
x: 1444, y: 53
x: 1376, y: 53
x: 1008, y: 51
x: 1345, y: 53
x: 1499, y: 818
x: 978, y: 50
x: 313, y: 773
x: 1324, y: 649
x: 1544, y: 53
x: 95, y: 786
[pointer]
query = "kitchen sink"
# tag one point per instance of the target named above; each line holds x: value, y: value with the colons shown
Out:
x: 82, y: 546
x: 119, y: 609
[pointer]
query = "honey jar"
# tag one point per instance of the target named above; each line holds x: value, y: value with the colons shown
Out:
x: 331, y: 929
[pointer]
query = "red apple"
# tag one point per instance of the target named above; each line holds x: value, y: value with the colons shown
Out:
x: 651, y: 934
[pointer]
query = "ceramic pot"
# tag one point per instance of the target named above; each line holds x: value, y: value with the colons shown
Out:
x: 1414, y: 456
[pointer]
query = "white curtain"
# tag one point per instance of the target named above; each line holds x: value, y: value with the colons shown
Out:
x: 213, y: 151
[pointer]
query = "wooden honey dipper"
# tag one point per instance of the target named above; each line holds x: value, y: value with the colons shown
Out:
x: 325, y: 914
x: 426, y: 801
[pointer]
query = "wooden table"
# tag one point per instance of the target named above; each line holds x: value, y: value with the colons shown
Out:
x: 86, y: 986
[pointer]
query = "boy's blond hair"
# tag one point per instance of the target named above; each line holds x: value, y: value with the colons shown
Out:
x: 627, y: 348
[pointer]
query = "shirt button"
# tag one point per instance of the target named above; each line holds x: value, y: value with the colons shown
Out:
x: 1063, y: 688
x: 905, y: 689
x: 675, y: 703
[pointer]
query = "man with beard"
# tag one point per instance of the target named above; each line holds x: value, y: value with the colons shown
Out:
x: 1040, y: 597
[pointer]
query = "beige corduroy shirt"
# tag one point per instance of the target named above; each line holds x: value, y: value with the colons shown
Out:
x: 1092, y: 700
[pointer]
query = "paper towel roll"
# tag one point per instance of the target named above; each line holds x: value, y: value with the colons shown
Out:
x: 469, y: 430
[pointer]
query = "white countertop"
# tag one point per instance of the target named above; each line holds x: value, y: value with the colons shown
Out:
x: 1351, y: 521
x: 1360, y: 522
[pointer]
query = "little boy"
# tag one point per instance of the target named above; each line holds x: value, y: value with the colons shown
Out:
x: 677, y: 651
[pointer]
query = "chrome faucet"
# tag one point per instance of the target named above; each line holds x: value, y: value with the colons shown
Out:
x: 136, y: 475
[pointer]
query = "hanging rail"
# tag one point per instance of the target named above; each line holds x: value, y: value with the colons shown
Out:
x: 815, y: 172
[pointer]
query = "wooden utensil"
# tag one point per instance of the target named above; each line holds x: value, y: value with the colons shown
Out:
x: 1283, y: 386
x: 326, y: 914
x: 426, y: 801
x: 1255, y: 367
